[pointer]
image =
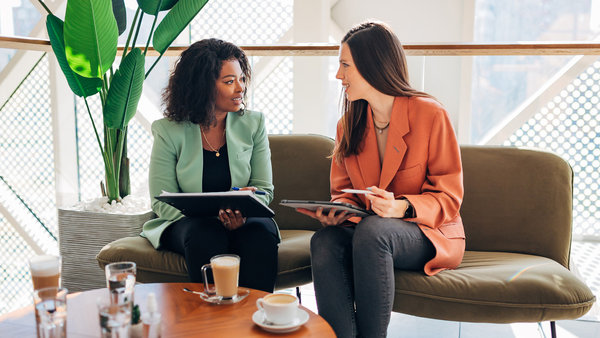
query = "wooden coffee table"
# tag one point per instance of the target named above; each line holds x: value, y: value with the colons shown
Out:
x: 183, y: 315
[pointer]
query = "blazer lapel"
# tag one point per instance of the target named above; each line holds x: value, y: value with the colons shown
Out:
x: 395, y: 147
x: 368, y: 158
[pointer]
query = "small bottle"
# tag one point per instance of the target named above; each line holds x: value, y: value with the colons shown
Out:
x: 151, y: 318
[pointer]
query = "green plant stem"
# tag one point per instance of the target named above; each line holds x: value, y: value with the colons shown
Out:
x: 152, y: 67
x: 120, y: 142
x: 153, y: 24
x: 135, y: 17
x: 103, y: 92
x: 94, y: 126
x: 137, y: 31
x: 45, y: 7
x: 111, y: 178
x: 89, y: 111
x: 109, y: 172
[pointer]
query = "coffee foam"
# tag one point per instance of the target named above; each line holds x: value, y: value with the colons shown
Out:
x: 226, y: 261
x: 44, y: 265
x: 279, y: 298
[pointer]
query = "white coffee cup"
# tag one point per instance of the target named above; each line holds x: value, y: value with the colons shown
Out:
x: 279, y: 308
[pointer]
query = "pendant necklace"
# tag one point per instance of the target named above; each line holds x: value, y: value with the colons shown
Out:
x: 380, y: 130
x: 216, y: 151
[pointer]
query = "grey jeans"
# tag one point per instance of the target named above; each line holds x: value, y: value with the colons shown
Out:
x: 353, y: 271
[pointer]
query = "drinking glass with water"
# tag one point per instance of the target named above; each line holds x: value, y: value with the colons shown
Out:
x: 115, y: 319
x: 120, y: 280
x: 51, y: 312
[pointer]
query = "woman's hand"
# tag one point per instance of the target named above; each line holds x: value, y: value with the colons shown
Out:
x: 231, y: 219
x: 384, y: 204
x: 327, y: 219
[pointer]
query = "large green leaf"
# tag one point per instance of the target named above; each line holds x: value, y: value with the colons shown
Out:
x: 120, y: 13
x: 125, y: 91
x: 91, y: 35
x: 89, y: 86
x: 149, y: 6
x: 175, y: 22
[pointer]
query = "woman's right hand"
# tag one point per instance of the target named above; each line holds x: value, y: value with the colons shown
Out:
x: 327, y: 219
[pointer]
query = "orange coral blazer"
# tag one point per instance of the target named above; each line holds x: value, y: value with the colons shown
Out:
x: 422, y: 164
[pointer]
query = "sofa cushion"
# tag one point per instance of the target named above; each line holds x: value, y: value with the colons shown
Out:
x: 166, y: 266
x: 495, y: 287
x: 148, y: 260
x: 517, y: 200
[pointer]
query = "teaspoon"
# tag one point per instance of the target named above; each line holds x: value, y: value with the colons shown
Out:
x: 190, y: 291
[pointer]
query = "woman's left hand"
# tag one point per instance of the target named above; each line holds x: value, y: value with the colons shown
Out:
x: 384, y: 204
x: 231, y: 219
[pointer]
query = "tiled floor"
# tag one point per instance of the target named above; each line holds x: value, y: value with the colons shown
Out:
x: 585, y: 263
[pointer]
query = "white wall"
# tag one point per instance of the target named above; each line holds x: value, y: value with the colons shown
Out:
x: 447, y: 78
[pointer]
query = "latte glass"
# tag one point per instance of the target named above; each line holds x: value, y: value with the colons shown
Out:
x: 45, y: 271
x: 225, y: 270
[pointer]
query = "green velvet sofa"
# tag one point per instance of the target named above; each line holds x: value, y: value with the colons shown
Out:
x: 517, y: 212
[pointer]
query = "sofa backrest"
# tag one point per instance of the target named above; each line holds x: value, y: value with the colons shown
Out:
x: 300, y: 172
x: 517, y: 200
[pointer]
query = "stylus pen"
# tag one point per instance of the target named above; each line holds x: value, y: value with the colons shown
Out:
x: 258, y: 192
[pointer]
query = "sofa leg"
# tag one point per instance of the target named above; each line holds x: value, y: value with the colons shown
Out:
x: 553, y: 329
x: 298, y: 294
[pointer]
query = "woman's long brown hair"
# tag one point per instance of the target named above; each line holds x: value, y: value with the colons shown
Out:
x: 379, y: 58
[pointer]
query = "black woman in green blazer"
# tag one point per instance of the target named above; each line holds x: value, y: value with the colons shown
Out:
x: 209, y: 142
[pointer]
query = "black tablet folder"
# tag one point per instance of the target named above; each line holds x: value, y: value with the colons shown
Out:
x: 208, y: 204
x: 326, y: 205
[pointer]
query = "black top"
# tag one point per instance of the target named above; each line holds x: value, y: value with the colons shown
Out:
x: 216, y: 175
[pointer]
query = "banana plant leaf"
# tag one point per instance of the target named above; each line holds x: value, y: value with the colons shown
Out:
x: 81, y: 86
x: 120, y: 14
x: 125, y: 91
x: 90, y: 35
x: 175, y: 22
x: 149, y: 6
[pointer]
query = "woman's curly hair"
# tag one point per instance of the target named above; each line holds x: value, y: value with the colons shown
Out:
x: 191, y: 93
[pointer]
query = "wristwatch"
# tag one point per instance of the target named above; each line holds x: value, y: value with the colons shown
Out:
x: 410, y: 211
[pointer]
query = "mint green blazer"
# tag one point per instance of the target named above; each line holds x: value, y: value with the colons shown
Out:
x: 176, y: 163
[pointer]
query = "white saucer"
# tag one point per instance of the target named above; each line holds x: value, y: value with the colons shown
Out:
x: 214, y: 299
x: 259, y: 319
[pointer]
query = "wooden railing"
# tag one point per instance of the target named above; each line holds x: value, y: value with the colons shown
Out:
x: 429, y: 49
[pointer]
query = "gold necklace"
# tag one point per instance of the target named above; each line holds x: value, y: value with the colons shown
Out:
x: 380, y: 130
x: 216, y: 151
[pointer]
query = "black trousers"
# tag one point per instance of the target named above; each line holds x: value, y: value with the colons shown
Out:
x: 199, y: 239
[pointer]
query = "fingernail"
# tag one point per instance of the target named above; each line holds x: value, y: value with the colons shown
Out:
x: 237, y: 212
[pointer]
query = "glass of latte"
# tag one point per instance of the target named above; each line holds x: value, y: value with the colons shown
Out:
x: 45, y: 271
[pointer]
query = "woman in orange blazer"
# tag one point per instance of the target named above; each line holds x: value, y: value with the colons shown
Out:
x: 397, y: 143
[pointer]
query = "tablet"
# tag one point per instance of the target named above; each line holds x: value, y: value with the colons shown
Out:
x: 326, y: 205
x: 209, y: 203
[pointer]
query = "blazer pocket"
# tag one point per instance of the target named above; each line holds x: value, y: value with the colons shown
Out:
x: 245, y: 154
x: 452, y: 230
x: 413, y: 171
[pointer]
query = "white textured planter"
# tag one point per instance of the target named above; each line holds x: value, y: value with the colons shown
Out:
x: 81, y: 236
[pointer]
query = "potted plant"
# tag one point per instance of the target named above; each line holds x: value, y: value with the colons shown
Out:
x: 85, y: 45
